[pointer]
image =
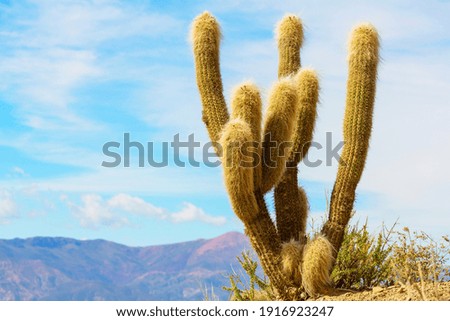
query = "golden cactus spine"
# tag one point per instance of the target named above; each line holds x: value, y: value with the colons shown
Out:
x: 253, y: 165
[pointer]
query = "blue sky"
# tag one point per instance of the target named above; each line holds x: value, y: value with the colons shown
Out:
x: 78, y: 74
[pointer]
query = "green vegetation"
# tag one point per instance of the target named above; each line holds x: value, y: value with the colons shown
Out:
x: 246, y: 285
x: 364, y: 260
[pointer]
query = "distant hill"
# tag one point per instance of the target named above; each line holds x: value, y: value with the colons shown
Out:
x: 54, y: 268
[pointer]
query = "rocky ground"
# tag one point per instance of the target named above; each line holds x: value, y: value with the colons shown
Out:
x: 415, y: 292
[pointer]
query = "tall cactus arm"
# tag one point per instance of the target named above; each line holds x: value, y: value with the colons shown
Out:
x: 205, y: 34
x: 289, y: 206
x: 248, y: 204
x: 290, y: 202
x: 246, y: 105
x: 238, y: 169
x: 307, y: 84
x: 278, y: 128
x: 361, y: 85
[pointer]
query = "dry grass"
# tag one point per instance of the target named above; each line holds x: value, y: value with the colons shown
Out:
x: 419, y: 263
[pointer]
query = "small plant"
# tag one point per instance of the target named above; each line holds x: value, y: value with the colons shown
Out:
x: 364, y: 260
x: 208, y: 294
x: 417, y: 258
x: 247, y: 285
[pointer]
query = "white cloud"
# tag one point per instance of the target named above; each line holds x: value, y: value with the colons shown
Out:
x: 41, y: 83
x: 135, y: 205
x: 94, y: 211
x: 174, y: 181
x: 60, y: 49
x: 56, y: 52
x: 18, y: 170
x: 8, y: 207
x: 192, y: 213
x: 88, y: 23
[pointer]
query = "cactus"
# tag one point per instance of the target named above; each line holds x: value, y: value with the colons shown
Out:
x: 259, y: 155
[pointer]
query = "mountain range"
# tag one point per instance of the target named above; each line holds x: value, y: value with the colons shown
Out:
x: 56, y: 268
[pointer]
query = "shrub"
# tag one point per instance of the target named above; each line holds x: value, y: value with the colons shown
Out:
x: 416, y: 257
x: 364, y: 260
x: 246, y: 285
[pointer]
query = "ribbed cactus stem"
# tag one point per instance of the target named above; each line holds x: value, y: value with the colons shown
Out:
x: 249, y: 204
x: 267, y: 245
x: 238, y: 169
x: 206, y: 36
x: 361, y: 85
x: 287, y: 206
x: 307, y: 84
x: 291, y: 207
x: 290, y: 204
x: 246, y: 105
x: 278, y: 128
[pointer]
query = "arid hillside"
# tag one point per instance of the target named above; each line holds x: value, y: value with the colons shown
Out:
x: 47, y: 268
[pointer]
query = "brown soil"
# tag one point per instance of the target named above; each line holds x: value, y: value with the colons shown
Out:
x: 414, y: 292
